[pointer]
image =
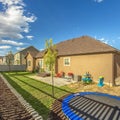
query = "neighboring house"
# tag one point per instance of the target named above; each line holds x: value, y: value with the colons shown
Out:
x: 1, y: 60
x: 85, y: 54
x: 19, y: 57
x: 31, y: 61
x: 4, y: 60
x: 8, y: 59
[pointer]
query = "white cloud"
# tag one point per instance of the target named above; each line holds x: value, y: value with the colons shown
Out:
x: 10, y: 42
x: 5, y: 47
x: 13, y: 21
x: 104, y: 40
x: 19, y: 48
x: 12, y: 2
x: 98, y: 1
x: 29, y: 37
x: 41, y: 49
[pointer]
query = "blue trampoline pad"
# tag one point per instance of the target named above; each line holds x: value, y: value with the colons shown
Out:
x: 91, y: 106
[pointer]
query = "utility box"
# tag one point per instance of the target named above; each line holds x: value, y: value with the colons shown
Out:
x: 77, y: 78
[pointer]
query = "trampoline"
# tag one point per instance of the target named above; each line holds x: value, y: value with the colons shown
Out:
x: 91, y: 106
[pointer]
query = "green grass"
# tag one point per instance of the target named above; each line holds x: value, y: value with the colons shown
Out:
x: 37, y: 93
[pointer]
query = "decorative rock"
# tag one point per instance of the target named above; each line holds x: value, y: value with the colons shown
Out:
x: 13, y: 105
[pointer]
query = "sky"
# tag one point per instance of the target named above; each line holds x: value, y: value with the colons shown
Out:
x: 31, y: 22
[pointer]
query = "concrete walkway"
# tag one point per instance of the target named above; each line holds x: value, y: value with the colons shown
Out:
x: 57, y: 81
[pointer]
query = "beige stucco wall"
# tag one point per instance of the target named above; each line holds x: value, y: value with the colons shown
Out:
x: 17, y: 59
x: 37, y: 63
x: 96, y: 64
x: 117, y: 65
x: 31, y: 67
x: 23, y: 60
x: 1, y: 61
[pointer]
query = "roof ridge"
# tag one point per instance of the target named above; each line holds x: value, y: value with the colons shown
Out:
x: 82, y: 45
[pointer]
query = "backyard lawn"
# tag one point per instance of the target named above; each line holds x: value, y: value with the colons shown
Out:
x: 37, y: 93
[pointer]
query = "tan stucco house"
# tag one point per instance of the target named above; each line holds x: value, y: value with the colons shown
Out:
x: 31, y: 60
x: 81, y: 55
x: 19, y: 57
x: 1, y: 60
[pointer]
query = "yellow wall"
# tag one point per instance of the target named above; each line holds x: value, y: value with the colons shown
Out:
x: 37, y: 63
x: 117, y: 65
x: 96, y: 64
x: 30, y: 58
x: 23, y: 61
x: 1, y: 61
x: 17, y: 59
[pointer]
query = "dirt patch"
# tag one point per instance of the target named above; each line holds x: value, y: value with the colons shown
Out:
x: 80, y: 87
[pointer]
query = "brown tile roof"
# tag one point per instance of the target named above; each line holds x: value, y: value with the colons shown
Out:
x: 28, y: 49
x: 40, y: 54
x: 33, y: 53
x: 82, y: 45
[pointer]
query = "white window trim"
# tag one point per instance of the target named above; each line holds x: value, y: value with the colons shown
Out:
x: 29, y: 60
x: 64, y: 61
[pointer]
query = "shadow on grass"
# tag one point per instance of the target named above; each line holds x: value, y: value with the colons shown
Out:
x: 41, y: 90
x: 46, y: 84
x: 36, y: 104
x: 50, y: 85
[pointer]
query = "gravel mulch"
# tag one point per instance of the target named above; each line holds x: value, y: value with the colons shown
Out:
x: 10, y: 106
x: 56, y: 111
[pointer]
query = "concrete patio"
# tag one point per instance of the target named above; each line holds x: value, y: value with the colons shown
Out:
x: 57, y: 81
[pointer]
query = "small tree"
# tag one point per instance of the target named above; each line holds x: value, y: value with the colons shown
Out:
x: 9, y: 59
x: 50, y: 59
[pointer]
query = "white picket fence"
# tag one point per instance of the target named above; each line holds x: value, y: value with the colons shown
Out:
x: 12, y: 68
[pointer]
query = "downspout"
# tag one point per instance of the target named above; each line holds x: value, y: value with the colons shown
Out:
x: 113, y: 69
x: 33, y: 64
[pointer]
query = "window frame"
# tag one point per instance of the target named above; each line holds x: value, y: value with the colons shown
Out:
x: 68, y: 61
x: 29, y: 62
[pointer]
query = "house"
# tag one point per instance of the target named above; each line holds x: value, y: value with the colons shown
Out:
x: 19, y: 57
x: 85, y: 54
x: 8, y: 59
x: 31, y: 60
x: 1, y: 60
x: 4, y: 60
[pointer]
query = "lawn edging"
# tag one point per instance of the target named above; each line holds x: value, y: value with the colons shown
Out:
x: 27, y: 106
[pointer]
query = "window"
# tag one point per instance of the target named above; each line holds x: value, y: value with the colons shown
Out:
x: 41, y: 63
x: 67, y: 61
x: 29, y: 63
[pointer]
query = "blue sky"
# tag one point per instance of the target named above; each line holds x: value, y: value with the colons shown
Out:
x: 31, y: 22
